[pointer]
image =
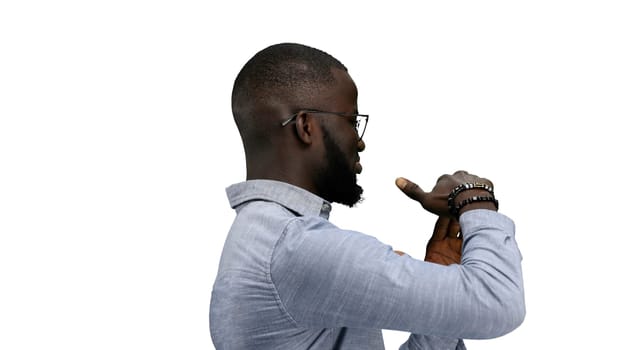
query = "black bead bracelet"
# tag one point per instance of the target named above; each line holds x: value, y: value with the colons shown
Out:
x: 451, y: 199
x: 469, y: 186
x: 455, y: 210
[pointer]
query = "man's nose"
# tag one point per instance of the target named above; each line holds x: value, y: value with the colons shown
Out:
x: 361, y: 145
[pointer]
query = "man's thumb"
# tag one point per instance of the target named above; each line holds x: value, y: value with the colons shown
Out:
x: 410, y: 189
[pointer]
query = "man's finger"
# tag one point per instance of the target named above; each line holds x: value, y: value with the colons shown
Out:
x: 453, y: 229
x: 440, y: 228
x: 410, y: 189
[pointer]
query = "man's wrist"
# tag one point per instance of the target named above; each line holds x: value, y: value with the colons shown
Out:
x: 475, y: 199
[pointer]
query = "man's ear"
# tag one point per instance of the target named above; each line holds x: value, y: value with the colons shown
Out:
x: 305, y: 127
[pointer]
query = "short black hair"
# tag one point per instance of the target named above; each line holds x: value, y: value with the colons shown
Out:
x: 284, y: 74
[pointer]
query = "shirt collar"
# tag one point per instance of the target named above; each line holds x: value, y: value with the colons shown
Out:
x: 292, y: 197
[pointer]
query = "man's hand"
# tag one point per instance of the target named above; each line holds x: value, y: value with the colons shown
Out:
x: 445, y: 246
x: 436, y: 200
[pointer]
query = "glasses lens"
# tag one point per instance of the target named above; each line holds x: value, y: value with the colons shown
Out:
x: 361, y: 124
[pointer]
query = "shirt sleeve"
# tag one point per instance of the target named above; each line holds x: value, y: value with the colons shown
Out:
x: 326, y: 277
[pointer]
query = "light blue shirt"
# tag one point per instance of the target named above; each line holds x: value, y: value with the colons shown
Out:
x: 290, y: 279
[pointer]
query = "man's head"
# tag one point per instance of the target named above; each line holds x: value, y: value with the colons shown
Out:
x: 314, y: 150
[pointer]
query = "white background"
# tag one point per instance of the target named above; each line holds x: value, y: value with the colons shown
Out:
x: 116, y: 144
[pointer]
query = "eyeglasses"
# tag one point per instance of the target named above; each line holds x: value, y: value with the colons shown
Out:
x: 359, y: 124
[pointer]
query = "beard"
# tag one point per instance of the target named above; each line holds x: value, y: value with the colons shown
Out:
x: 336, y: 181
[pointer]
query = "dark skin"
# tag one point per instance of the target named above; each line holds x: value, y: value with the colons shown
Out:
x: 295, y: 154
x: 445, y: 245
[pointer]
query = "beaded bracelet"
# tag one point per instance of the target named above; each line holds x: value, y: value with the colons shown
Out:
x: 456, y: 209
x: 469, y: 186
x: 466, y: 186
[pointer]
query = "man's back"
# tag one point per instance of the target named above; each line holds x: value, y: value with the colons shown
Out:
x: 246, y: 310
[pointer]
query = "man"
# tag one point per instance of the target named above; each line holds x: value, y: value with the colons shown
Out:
x: 289, y: 279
